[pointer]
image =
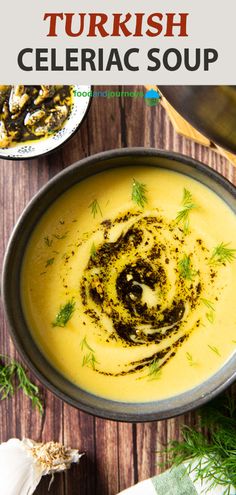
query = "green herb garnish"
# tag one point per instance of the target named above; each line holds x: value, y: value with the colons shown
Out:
x: 185, y: 269
x: 222, y: 254
x: 208, y: 303
x: 211, y: 314
x: 139, y: 193
x: 215, y: 350
x: 154, y: 371
x: 48, y: 241
x: 93, y: 251
x: 188, y: 206
x: 60, y: 236
x: 12, y: 375
x: 190, y: 359
x: 212, y: 457
x: 84, y: 345
x: 49, y: 262
x: 95, y: 208
x: 64, y: 315
x: 89, y: 359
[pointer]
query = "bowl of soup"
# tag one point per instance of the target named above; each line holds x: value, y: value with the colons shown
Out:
x: 119, y: 283
x: 36, y: 120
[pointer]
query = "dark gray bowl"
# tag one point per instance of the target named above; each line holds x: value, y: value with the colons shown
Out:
x: 210, y: 109
x: 20, y: 333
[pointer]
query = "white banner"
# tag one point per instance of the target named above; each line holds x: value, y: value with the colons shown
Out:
x: 94, y: 42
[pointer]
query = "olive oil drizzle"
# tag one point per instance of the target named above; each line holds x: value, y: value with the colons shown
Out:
x: 146, y: 260
x: 133, y: 321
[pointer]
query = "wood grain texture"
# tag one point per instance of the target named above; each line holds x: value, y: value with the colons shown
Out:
x: 117, y: 454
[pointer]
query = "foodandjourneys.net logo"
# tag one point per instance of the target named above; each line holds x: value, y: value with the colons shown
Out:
x: 152, y: 97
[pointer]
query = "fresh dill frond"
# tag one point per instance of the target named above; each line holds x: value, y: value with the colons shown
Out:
x: 93, y: 251
x: 7, y: 374
x: 29, y: 389
x: 48, y: 241
x: 49, y: 262
x: 154, y: 371
x: 64, y: 315
x: 188, y: 206
x: 60, y: 236
x: 12, y: 375
x: 89, y: 359
x: 84, y: 345
x: 215, y: 350
x: 222, y: 254
x: 210, y: 314
x: 190, y: 359
x: 212, y: 457
x: 95, y: 208
x: 139, y: 192
x: 185, y: 269
x: 208, y: 303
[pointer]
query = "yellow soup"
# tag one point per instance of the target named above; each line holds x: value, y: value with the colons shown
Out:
x: 129, y: 282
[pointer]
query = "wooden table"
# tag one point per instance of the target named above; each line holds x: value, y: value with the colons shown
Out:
x: 117, y: 454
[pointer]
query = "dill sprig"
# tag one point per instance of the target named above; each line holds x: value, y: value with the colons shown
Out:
x: 95, y: 208
x: 60, y: 236
x: 84, y: 345
x: 64, y: 314
x: 210, y: 314
x: 49, y: 262
x: 139, y: 191
x: 89, y: 359
x: 215, y: 350
x: 154, y: 371
x: 48, y: 241
x: 12, y: 376
x: 190, y: 359
x: 93, y: 251
x: 185, y: 269
x: 222, y: 254
x: 188, y: 206
x: 213, y: 457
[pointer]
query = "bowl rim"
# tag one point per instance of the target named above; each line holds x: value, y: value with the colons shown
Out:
x: 217, y: 140
x: 102, y: 412
x: 57, y: 147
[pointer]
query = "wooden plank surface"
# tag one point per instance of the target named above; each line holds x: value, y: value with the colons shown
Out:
x: 117, y: 455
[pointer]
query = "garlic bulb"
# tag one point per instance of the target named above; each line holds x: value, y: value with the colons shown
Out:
x: 24, y: 462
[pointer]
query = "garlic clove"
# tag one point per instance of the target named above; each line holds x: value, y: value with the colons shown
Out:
x: 24, y: 462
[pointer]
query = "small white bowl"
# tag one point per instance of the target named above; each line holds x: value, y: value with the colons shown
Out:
x: 33, y: 149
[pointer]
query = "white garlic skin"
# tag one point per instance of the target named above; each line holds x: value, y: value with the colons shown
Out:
x: 19, y: 475
x: 20, y: 468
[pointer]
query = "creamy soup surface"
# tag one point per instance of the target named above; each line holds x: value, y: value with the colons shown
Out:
x: 128, y: 284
